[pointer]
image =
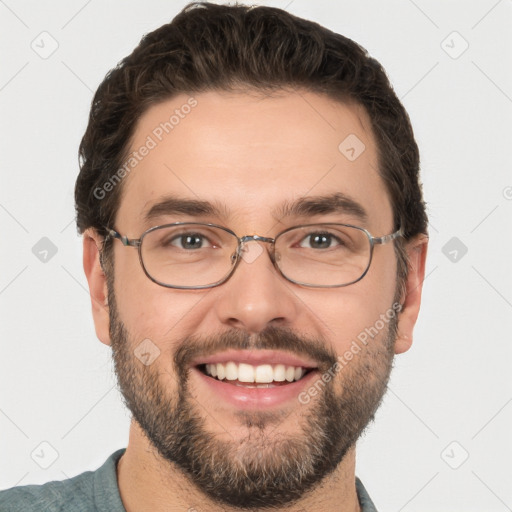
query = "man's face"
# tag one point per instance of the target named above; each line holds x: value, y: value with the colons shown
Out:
x: 249, y: 156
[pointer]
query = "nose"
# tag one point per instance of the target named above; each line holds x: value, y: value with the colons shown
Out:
x: 256, y: 295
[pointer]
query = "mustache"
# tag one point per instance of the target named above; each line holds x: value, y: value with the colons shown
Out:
x: 272, y: 338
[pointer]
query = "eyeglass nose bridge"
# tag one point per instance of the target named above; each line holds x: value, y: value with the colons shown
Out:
x: 254, y: 238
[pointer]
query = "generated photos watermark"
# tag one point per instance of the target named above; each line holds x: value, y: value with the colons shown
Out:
x: 362, y: 339
x: 135, y: 157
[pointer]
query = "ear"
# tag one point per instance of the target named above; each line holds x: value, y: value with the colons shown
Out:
x: 97, y: 284
x: 411, y: 300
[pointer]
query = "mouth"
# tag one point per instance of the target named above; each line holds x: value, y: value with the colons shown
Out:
x: 252, y: 380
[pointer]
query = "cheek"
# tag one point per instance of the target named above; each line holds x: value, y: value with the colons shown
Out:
x: 348, y: 314
x: 348, y: 320
x: 148, y: 310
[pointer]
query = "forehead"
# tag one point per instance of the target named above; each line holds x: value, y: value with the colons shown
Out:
x: 251, y: 155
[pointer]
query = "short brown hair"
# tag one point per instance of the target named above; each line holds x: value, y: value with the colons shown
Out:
x: 209, y: 47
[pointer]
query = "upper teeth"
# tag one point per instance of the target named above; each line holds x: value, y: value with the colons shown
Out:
x: 247, y: 373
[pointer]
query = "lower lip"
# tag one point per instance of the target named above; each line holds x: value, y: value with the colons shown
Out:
x: 255, y: 398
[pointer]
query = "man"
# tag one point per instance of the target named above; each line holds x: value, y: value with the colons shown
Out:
x: 254, y: 243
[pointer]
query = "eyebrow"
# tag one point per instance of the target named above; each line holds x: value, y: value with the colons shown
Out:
x: 321, y: 205
x: 173, y: 205
x: 304, y: 207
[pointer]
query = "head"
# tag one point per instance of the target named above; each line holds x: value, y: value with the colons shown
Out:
x: 243, y: 112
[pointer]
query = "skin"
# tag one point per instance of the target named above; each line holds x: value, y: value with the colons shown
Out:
x: 251, y: 154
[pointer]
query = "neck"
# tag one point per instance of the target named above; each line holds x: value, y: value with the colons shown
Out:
x: 149, y: 482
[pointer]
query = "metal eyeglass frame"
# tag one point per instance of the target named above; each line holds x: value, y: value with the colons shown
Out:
x: 127, y: 242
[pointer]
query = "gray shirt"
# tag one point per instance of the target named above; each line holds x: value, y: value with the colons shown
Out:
x: 93, y: 491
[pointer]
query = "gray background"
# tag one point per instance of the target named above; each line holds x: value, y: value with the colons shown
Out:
x: 441, y: 440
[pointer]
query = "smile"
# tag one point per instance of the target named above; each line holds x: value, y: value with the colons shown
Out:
x: 250, y: 376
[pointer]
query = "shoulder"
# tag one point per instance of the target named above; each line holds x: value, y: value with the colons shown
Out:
x: 78, y: 494
x: 365, y: 501
x: 52, y: 496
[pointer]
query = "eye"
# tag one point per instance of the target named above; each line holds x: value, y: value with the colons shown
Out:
x: 189, y: 241
x: 320, y: 240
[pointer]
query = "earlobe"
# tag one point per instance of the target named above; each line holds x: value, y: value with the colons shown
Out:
x: 97, y: 284
x: 402, y: 343
x: 417, y: 252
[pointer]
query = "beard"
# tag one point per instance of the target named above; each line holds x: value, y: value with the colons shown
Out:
x: 267, y: 468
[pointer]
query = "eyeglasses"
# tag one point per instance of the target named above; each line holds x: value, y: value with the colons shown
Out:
x: 193, y: 255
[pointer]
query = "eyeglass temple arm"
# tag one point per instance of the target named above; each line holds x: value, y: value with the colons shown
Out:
x: 387, y: 238
x: 124, y: 239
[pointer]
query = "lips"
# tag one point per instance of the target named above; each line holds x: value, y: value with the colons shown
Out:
x: 250, y: 396
x: 256, y: 358
x: 246, y: 367
x: 254, y: 378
